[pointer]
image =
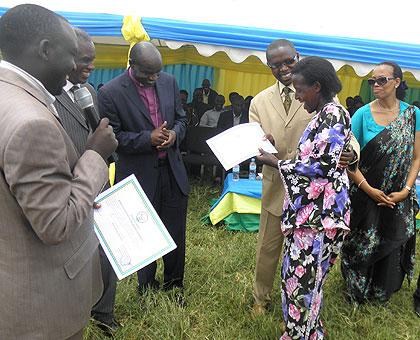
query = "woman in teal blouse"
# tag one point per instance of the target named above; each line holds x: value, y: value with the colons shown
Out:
x: 379, y: 250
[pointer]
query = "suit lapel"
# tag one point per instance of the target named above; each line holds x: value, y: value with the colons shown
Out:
x: 134, y: 97
x: 294, y: 107
x: 65, y: 100
x: 160, y: 94
x: 275, y: 100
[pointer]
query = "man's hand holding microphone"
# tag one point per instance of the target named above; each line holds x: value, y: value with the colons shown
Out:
x: 103, y: 140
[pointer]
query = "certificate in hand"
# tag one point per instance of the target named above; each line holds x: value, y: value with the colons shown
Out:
x: 239, y: 143
x: 129, y: 229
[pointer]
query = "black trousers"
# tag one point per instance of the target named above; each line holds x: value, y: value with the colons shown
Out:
x: 103, y: 311
x: 171, y: 205
x: 417, y: 293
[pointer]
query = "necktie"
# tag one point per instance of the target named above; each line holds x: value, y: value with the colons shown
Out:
x: 287, y: 101
x: 72, y: 89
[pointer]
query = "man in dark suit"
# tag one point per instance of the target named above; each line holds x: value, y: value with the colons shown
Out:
x: 71, y: 115
x: 208, y: 95
x: 144, y: 108
x: 77, y: 127
x: 234, y: 116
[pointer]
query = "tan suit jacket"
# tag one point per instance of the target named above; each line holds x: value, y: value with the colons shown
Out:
x: 267, y: 109
x: 49, y: 265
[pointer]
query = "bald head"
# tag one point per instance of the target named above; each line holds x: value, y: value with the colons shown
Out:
x: 146, y: 53
x: 280, y: 44
x: 145, y: 63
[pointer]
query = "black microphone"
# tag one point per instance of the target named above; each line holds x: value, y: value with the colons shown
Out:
x: 84, y: 100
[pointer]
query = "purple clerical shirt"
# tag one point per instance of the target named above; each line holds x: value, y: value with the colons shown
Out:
x: 151, y: 101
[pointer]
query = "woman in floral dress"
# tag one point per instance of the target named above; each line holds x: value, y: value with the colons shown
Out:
x: 316, y: 211
x: 379, y: 251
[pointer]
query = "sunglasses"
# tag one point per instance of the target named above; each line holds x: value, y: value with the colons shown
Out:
x: 381, y: 81
x: 287, y: 62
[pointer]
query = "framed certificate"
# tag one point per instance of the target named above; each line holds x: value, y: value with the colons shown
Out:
x: 129, y: 229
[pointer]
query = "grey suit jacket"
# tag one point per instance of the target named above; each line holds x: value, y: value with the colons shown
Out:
x: 73, y: 119
x: 49, y: 265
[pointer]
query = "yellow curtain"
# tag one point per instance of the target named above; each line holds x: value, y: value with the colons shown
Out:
x: 245, y: 83
x: 247, y: 78
x: 111, y: 56
x: 350, y: 81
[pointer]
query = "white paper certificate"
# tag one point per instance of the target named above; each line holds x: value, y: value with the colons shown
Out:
x: 239, y: 143
x: 129, y: 229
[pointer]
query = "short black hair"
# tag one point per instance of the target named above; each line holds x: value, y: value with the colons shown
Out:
x: 238, y: 99
x: 184, y: 92
x: 316, y: 69
x: 233, y: 94
x: 358, y: 99
x: 82, y: 35
x: 24, y: 25
x: 397, y: 73
x: 281, y: 43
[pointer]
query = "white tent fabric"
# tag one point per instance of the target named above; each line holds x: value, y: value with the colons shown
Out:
x: 380, y: 20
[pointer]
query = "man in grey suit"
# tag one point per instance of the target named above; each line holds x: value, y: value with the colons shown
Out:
x: 49, y: 269
x: 76, y: 125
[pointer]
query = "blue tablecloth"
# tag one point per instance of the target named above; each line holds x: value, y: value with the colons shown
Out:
x: 250, y: 188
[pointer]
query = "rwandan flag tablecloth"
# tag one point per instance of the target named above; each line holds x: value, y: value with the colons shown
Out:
x: 239, y: 206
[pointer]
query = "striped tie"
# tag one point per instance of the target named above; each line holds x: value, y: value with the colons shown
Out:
x: 287, y: 100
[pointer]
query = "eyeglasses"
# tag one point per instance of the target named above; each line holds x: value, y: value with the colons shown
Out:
x: 287, y: 62
x: 381, y: 81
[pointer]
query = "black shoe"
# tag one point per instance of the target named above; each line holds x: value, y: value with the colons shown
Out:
x: 174, y: 284
x: 154, y: 285
x: 417, y: 309
x: 108, y: 329
x: 177, y: 296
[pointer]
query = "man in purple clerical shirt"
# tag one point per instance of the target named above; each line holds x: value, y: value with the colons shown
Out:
x: 144, y: 108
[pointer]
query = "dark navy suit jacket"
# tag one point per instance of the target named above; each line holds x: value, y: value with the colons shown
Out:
x: 119, y: 101
x: 226, y: 120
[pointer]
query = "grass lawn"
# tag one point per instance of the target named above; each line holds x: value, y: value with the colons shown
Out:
x: 218, y: 292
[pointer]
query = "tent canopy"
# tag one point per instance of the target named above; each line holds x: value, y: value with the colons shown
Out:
x: 361, y: 35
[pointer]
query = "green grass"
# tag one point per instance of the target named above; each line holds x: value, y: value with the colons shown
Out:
x: 218, y: 292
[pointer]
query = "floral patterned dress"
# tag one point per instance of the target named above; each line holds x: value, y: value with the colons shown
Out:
x: 316, y: 217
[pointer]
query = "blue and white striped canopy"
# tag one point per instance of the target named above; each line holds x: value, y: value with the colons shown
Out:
x: 356, y: 51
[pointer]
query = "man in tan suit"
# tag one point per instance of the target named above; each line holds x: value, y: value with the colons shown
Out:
x: 49, y: 265
x: 283, y: 119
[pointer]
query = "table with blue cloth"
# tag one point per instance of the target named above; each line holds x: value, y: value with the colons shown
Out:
x: 239, y: 205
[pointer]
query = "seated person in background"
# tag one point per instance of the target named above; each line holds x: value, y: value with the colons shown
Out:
x: 247, y: 104
x: 231, y: 96
x: 198, y: 107
x: 358, y: 103
x: 183, y: 94
x: 211, y: 117
x: 208, y: 95
x: 234, y: 116
x: 350, y: 105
